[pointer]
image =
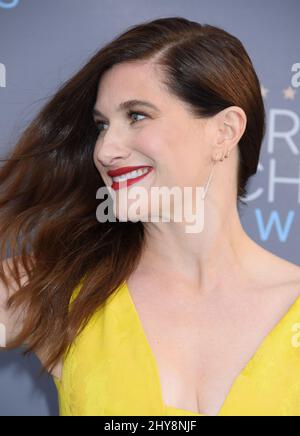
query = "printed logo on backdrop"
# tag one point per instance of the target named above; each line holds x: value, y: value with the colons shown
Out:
x: 9, y: 4
x: 283, y: 134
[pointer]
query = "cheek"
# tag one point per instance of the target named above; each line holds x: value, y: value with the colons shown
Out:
x: 159, y: 143
x: 185, y: 163
x: 181, y: 153
x: 148, y: 144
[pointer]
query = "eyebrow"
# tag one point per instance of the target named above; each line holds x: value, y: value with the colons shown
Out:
x: 127, y: 105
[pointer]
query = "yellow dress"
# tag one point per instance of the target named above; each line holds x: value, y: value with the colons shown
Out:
x: 111, y: 370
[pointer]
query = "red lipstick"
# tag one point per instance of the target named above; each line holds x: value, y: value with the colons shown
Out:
x: 120, y: 171
x: 126, y: 183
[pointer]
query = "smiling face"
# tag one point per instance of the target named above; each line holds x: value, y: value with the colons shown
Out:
x: 176, y: 145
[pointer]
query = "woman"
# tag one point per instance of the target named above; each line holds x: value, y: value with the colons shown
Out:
x: 136, y: 316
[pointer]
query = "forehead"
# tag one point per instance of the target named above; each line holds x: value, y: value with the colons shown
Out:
x: 133, y: 75
x: 140, y: 80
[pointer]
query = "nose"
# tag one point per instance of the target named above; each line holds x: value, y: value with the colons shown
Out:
x: 108, y: 153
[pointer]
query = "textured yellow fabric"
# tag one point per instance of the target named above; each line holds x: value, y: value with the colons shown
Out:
x: 111, y: 370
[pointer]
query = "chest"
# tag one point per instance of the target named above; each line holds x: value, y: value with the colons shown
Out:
x: 200, y: 345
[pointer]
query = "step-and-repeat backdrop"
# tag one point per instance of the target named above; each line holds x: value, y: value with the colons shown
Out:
x: 42, y: 43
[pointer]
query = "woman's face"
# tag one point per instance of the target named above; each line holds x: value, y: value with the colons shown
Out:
x: 176, y: 145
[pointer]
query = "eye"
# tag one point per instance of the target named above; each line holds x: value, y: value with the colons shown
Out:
x: 129, y: 114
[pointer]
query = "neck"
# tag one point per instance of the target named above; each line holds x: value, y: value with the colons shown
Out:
x: 206, y: 260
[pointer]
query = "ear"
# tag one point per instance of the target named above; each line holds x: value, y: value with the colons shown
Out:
x: 231, y: 125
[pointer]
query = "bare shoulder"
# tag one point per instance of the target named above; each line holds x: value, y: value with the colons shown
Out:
x: 279, y: 273
x: 285, y: 270
x: 57, y: 370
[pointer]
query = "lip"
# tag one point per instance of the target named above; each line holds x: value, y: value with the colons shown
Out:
x: 126, y: 183
x: 120, y: 171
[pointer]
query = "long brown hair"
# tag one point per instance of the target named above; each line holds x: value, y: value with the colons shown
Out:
x: 48, y: 182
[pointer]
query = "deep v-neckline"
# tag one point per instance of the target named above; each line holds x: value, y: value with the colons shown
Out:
x: 257, y: 353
